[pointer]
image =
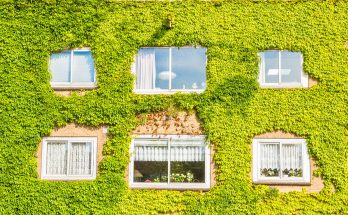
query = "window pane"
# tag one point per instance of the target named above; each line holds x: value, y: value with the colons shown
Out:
x: 83, y: 67
x: 269, y: 160
x: 291, y: 67
x: 187, y: 162
x: 60, y: 67
x: 56, y: 158
x: 162, y: 68
x: 292, y: 160
x: 152, y: 68
x: 80, y: 162
x: 150, y: 161
x: 189, y: 68
x: 271, y: 66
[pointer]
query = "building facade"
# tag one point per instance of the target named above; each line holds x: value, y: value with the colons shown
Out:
x: 174, y: 107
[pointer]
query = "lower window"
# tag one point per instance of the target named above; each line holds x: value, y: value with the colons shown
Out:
x: 280, y: 161
x: 69, y: 158
x: 170, y: 162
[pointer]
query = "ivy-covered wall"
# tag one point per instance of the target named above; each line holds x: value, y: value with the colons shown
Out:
x: 233, y: 109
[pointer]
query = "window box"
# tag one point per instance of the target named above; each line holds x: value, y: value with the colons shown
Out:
x: 73, y: 69
x: 169, y: 70
x: 69, y: 158
x: 282, y: 69
x: 280, y: 161
x: 170, y: 162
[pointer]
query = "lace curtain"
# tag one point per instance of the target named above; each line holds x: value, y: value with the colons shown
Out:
x: 80, y: 159
x: 56, y: 158
x: 291, y: 156
x: 269, y: 156
x: 79, y: 163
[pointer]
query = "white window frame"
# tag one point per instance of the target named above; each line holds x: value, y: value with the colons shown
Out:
x: 304, y: 77
x: 69, y: 140
x: 168, y: 91
x: 172, y: 185
x: 257, y: 178
x: 74, y: 85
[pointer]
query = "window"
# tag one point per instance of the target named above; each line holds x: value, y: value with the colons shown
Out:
x: 282, y: 69
x: 280, y: 161
x: 170, y: 162
x: 72, y: 69
x: 69, y: 158
x: 170, y: 69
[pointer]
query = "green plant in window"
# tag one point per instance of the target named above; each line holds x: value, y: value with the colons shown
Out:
x: 189, y: 176
x: 269, y: 172
x: 299, y: 172
x: 163, y: 178
x: 293, y: 172
x: 286, y: 172
x: 177, y: 177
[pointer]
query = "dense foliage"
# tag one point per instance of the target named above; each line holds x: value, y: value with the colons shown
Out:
x: 233, y: 109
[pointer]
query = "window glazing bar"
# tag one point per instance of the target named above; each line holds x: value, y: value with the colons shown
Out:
x: 68, y: 157
x: 170, y: 68
x: 279, y: 67
x: 71, y: 65
x: 169, y: 158
x: 281, y: 160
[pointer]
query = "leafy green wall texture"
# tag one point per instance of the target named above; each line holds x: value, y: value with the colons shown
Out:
x: 233, y: 109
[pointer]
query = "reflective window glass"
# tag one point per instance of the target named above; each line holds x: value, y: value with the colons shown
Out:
x: 60, y: 67
x: 83, y: 67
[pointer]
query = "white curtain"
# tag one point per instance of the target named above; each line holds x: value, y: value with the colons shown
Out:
x: 151, y: 153
x: 291, y: 156
x: 269, y: 156
x: 160, y: 153
x: 56, y: 160
x: 145, y: 69
x: 187, y: 153
x: 80, y: 160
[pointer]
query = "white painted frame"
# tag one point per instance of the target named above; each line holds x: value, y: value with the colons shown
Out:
x: 257, y: 178
x: 169, y: 91
x: 304, y: 77
x: 173, y: 185
x: 69, y: 140
x: 75, y: 85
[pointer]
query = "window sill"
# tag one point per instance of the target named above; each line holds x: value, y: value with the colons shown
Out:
x: 285, y: 182
x: 283, y: 86
x: 169, y: 92
x: 77, y: 86
x: 75, y: 178
x: 172, y: 186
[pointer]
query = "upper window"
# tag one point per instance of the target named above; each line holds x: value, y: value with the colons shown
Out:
x: 69, y: 158
x: 280, y: 161
x: 170, y: 162
x: 282, y: 69
x: 170, y: 69
x: 72, y: 69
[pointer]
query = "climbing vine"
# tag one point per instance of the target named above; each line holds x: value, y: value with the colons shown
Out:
x: 232, y: 110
